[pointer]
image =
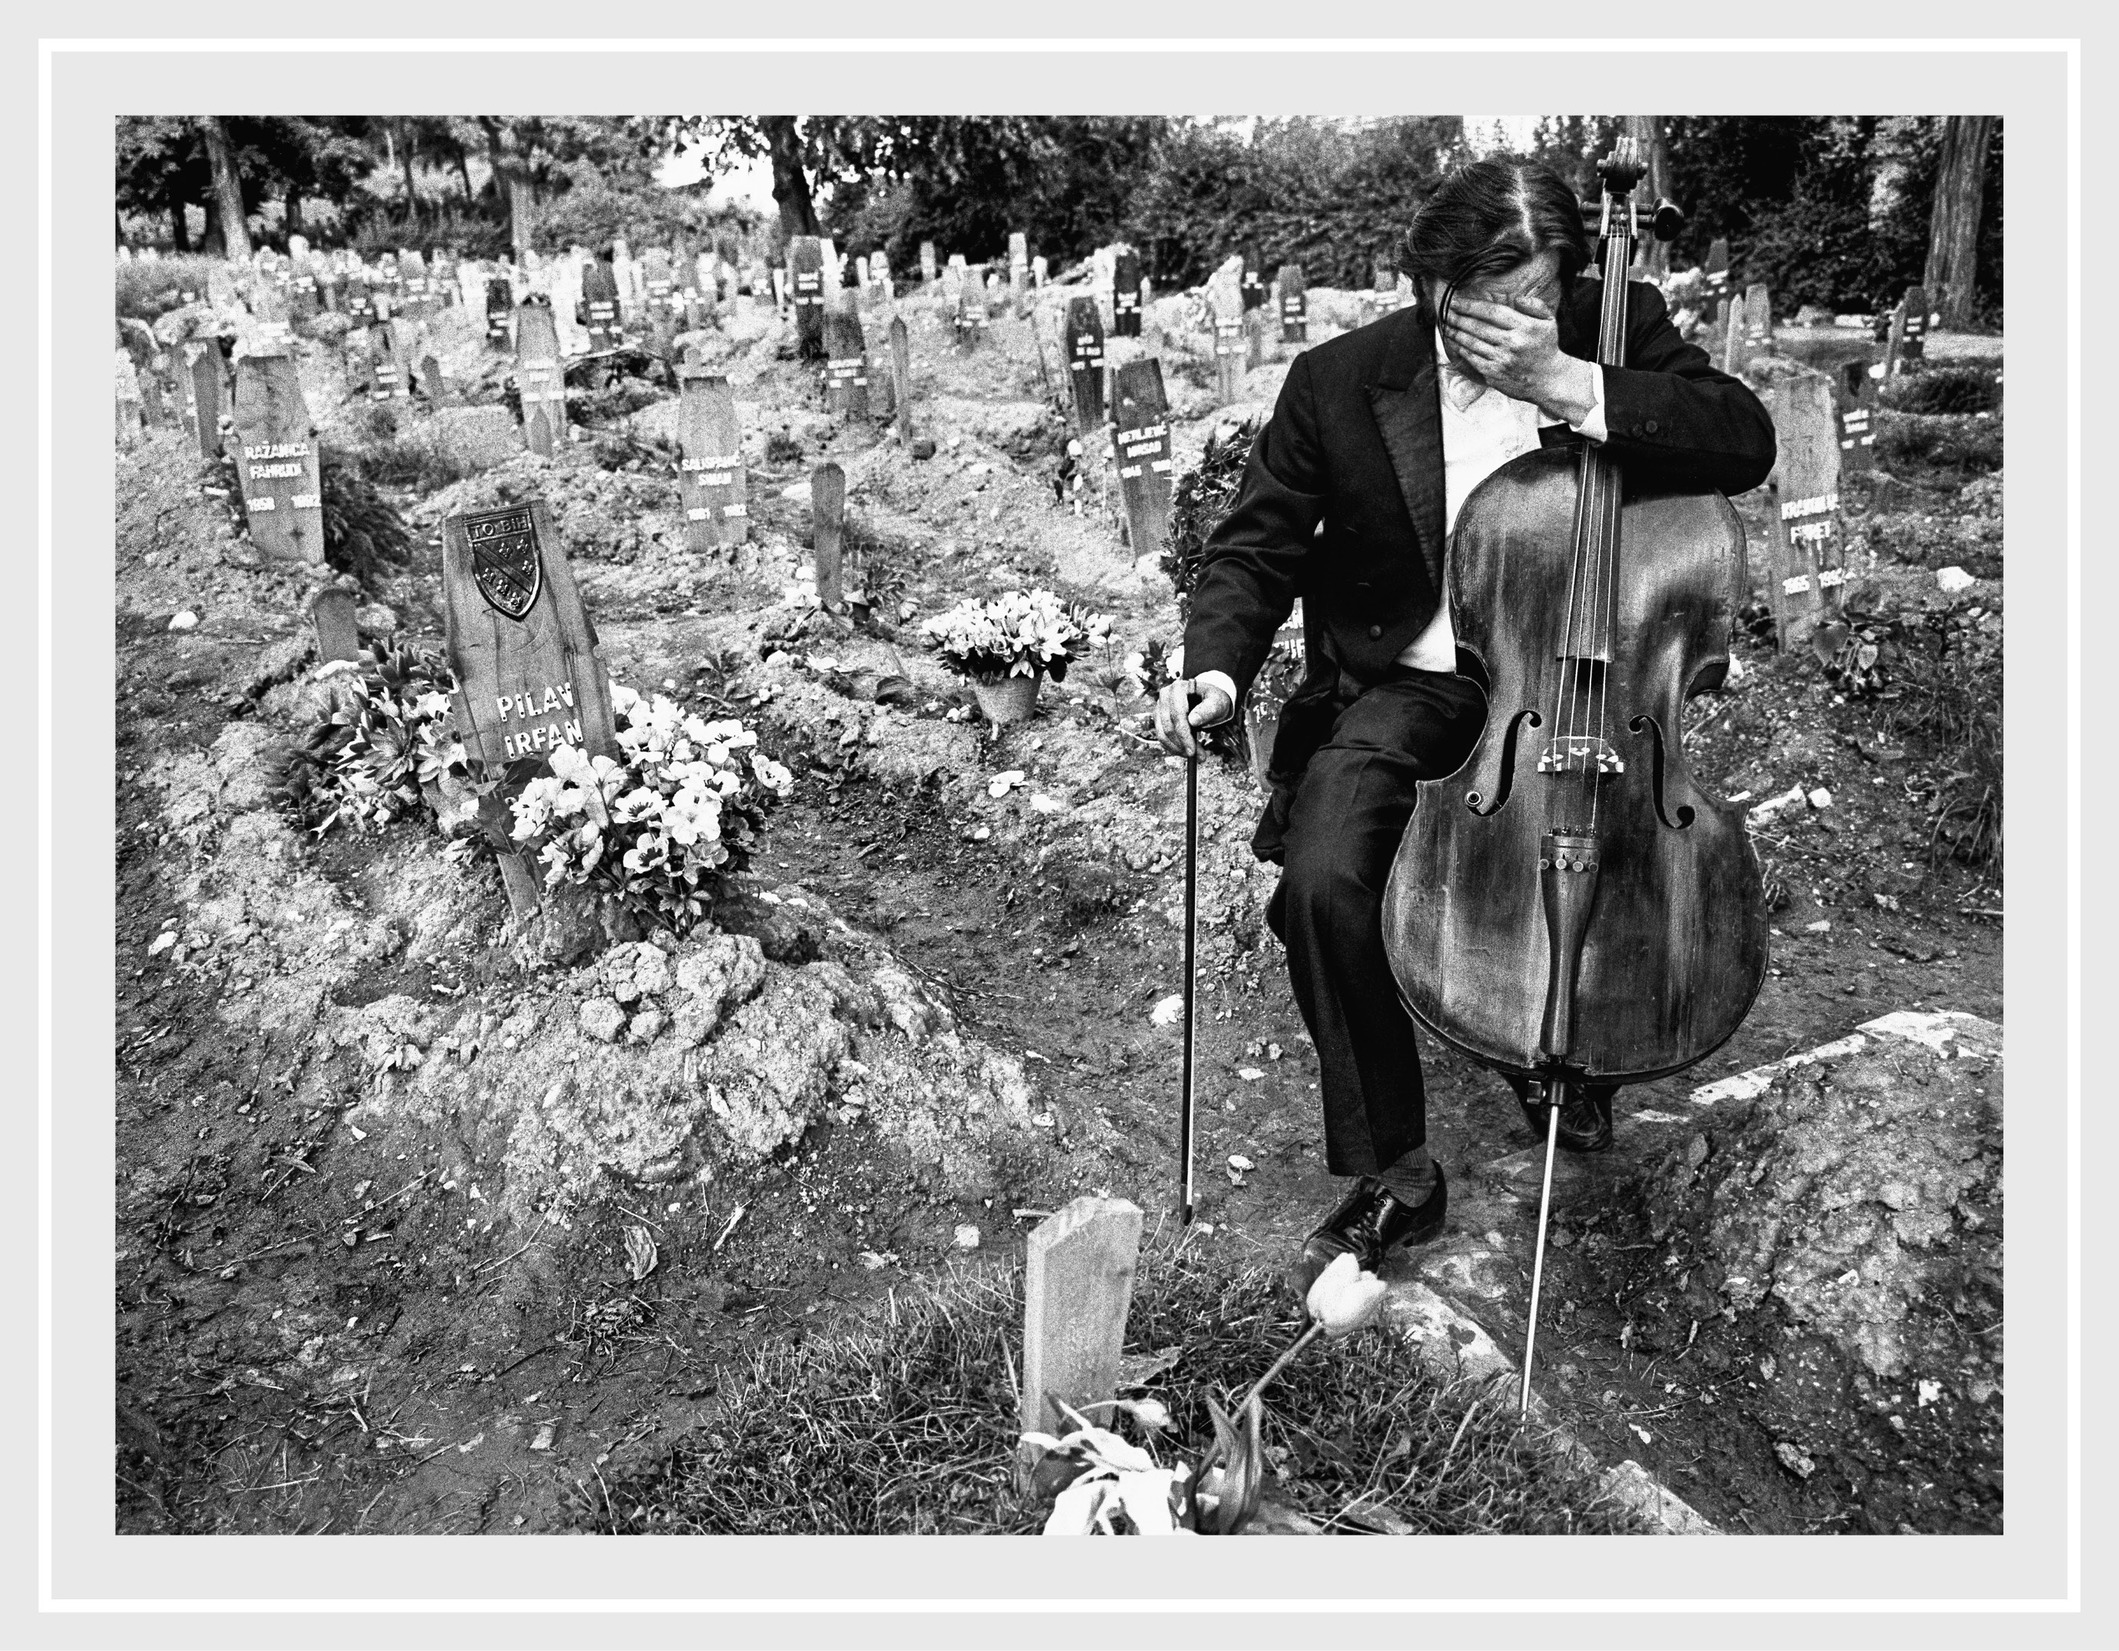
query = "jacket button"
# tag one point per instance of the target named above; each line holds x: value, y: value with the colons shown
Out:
x: 1649, y: 427
x: 1375, y: 630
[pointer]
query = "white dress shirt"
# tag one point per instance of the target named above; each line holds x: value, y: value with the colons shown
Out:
x: 1482, y: 429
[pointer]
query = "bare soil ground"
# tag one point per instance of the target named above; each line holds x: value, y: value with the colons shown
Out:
x: 329, y: 1329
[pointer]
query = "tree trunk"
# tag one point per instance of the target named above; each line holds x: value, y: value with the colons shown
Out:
x: 1953, y: 229
x: 1655, y: 184
x: 798, y: 213
x: 227, y: 189
x: 179, y: 227
x: 404, y: 156
x: 522, y: 213
x: 294, y: 211
x: 463, y: 171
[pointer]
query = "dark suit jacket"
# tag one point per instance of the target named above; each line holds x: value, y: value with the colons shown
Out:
x: 1355, y: 442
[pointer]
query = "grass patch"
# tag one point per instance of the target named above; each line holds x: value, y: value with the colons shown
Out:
x: 905, y: 1422
x: 1946, y: 447
x: 1941, y: 390
x: 147, y: 289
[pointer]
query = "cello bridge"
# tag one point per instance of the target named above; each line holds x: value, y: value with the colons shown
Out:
x: 1580, y: 754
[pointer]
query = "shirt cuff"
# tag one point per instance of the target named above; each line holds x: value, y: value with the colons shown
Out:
x: 1592, y: 424
x: 1221, y: 680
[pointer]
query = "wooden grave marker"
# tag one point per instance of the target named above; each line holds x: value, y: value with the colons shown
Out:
x: 1716, y: 274
x: 710, y: 471
x: 927, y: 263
x: 805, y: 268
x: 901, y: 377
x: 1040, y: 271
x: 1809, y: 547
x: 1085, y: 364
x: 442, y: 280
x: 372, y: 367
x: 412, y: 271
x: 1758, y: 320
x: 540, y: 379
x: 359, y: 301
x: 530, y: 673
x: 276, y: 460
x: 1294, y: 305
x: 1140, y: 410
x: 337, y: 632
x: 1125, y: 295
x: 207, y: 378
x: 971, y: 319
x: 1855, y: 399
x: 1225, y: 312
x: 144, y: 351
x: 1018, y: 269
x: 500, y: 312
x: 659, y: 279
x: 1733, y: 356
x: 602, y: 311
x: 879, y: 276
x: 1254, y: 277
x: 1078, y: 1271
x: 404, y: 355
x: 827, y: 527
x: 845, y: 363
x: 132, y: 411
x: 430, y: 379
x: 1908, y: 340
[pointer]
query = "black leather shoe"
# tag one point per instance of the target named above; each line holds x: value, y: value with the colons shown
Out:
x: 1392, y: 1223
x: 1585, y: 1118
x: 1370, y: 1222
x: 1345, y: 1229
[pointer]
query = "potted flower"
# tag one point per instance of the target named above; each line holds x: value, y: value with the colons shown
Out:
x: 1007, y: 645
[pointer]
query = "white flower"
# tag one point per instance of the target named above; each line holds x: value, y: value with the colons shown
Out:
x: 1344, y: 1298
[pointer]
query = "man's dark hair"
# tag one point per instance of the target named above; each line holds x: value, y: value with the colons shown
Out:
x: 1489, y: 216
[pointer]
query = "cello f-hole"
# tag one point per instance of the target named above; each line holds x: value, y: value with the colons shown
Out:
x: 1507, y: 782
x: 1649, y: 725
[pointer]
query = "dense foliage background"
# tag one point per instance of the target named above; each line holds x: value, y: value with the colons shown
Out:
x: 1833, y: 211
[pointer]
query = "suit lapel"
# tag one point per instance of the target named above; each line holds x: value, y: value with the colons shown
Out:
x: 1407, y: 402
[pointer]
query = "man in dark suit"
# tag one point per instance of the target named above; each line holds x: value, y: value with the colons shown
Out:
x: 1348, y: 498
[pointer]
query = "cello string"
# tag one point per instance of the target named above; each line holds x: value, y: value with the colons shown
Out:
x: 1610, y: 348
x: 1563, y: 685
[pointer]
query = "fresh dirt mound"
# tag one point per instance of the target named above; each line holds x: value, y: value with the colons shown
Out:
x: 1841, y: 1234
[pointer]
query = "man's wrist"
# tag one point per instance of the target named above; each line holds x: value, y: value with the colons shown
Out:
x: 1573, y: 395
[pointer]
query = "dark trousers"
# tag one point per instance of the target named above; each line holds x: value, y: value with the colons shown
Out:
x: 1339, y: 824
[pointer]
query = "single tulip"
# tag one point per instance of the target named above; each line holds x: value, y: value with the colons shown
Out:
x: 1344, y: 1298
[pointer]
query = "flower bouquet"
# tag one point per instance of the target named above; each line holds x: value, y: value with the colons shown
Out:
x: 662, y: 824
x: 1007, y: 644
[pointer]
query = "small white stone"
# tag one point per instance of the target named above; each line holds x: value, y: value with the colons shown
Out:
x: 1169, y: 1011
x: 1249, y: 1074
x: 1952, y: 580
x: 967, y: 1238
x: 1820, y: 798
x: 184, y: 621
x: 1822, y: 926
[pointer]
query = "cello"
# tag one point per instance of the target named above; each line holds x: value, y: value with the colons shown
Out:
x: 1569, y: 906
